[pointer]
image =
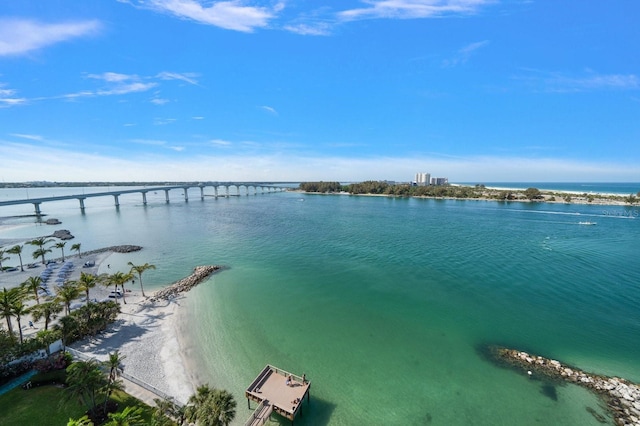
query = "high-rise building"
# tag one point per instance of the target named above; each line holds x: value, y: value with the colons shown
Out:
x: 423, y: 179
x: 439, y: 181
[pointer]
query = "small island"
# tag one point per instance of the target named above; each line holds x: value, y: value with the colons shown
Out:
x: 476, y: 192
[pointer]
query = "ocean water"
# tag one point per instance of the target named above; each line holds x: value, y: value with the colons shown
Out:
x: 388, y: 304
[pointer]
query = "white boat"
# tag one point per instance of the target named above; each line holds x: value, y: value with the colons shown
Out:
x: 586, y: 223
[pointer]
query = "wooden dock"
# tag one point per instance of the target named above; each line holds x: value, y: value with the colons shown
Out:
x: 276, y: 390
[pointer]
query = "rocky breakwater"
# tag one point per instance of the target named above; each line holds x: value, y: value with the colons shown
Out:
x: 621, y: 396
x: 200, y: 273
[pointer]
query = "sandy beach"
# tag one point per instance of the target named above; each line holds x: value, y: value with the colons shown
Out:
x: 147, y: 333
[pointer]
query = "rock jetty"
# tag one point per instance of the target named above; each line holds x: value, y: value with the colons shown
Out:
x: 126, y: 248
x: 200, y: 273
x: 621, y: 396
x: 62, y: 234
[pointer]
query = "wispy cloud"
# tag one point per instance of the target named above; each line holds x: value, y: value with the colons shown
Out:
x: 220, y: 142
x: 119, y: 84
x: 163, y: 121
x: 462, y: 56
x: 556, y: 82
x: 27, y: 136
x: 231, y: 15
x: 113, y: 84
x: 188, y: 77
x: 269, y: 109
x: 310, y: 28
x: 66, y: 165
x: 411, y: 9
x: 19, y: 36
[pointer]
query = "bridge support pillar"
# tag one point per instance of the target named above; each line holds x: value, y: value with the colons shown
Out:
x: 215, y: 191
x: 226, y: 191
x: 202, y: 193
x: 81, y: 204
x: 166, y: 196
x: 186, y: 195
x: 37, y: 206
x: 115, y: 198
x: 144, y: 198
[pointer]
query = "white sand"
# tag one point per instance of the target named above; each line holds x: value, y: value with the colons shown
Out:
x: 147, y: 334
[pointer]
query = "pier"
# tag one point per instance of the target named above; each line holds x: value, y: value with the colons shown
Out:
x: 218, y: 188
x: 279, y: 391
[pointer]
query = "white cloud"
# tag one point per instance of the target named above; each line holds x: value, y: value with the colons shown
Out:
x: 159, y: 101
x: 25, y: 162
x: 8, y: 99
x: 231, y: 15
x: 591, y: 81
x: 269, y: 109
x: 220, y: 142
x: 19, y: 36
x: 26, y: 136
x: 316, y: 28
x: 188, y: 77
x: 163, y: 121
x: 463, y: 55
x: 411, y: 9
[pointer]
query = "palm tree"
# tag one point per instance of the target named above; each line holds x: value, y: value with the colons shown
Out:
x: 41, y: 252
x: 61, y: 245
x: 119, y: 279
x: 17, y: 249
x: 46, y: 337
x: 33, y: 284
x: 165, y: 410
x: 140, y: 269
x: 211, y: 407
x: 47, y: 310
x: 76, y: 247
x: 82, y: 421
x: 19, y: 309
x: 7, y: 299
x: 66, y: 293
x: 85, y: 381
x: 68, y: 326
x: 86, y: 283
x: 115, y: 365
x: 2, y: 259
x: 106, y: 280
x: 40, y: 243
x: 130, y: 416
x: 225, y: 406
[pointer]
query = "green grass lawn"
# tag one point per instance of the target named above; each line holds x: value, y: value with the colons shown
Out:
x: 44, y: 406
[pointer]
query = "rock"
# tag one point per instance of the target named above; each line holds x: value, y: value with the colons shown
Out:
x: 63, y: 234
x: 621, y: 397
x: 52, y: 221
x: 200, y: 273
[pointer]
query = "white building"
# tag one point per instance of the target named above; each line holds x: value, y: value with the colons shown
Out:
x: 423, y: 179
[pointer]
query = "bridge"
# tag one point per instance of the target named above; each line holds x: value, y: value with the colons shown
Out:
x: 220, y: 190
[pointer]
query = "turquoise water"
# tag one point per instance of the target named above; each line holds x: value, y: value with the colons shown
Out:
x: 386, y: 304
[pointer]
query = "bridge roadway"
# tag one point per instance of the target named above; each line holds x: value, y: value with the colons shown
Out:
x: 116, y: 194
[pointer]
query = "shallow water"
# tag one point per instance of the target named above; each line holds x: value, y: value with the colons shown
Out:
x: 387, y: 304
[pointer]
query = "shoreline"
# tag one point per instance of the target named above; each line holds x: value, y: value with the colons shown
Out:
x: 149, y: 332
x: 549, y: 196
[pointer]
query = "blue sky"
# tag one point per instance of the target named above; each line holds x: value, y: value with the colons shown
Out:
x: 475, y: 90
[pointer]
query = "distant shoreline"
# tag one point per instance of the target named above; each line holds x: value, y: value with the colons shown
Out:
x: 514, y: 195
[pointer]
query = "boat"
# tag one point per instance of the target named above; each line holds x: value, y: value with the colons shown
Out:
x: 586, y: 223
